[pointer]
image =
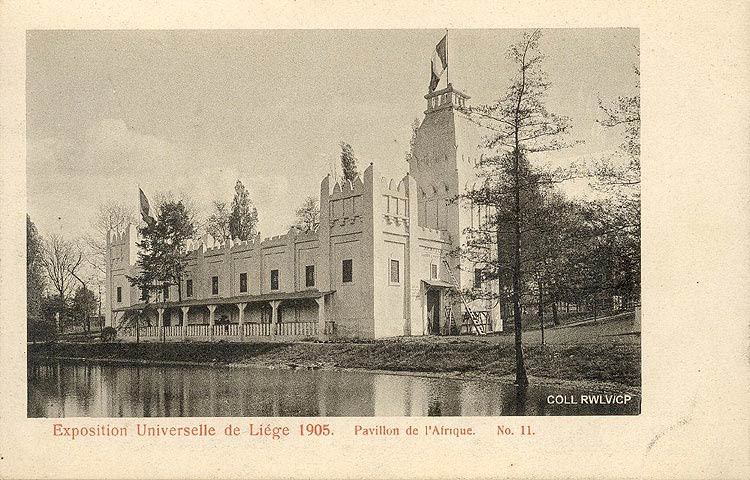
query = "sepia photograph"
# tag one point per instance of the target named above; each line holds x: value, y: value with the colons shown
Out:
x: 333, y: 223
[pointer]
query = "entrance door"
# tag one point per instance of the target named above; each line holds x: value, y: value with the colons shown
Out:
x: 433, y: 311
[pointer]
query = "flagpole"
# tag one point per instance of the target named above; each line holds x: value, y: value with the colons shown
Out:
x: 447, y: 64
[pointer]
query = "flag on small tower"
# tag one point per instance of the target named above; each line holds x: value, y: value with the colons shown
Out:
x: 439, y: 62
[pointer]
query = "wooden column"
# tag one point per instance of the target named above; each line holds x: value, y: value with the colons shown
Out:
x: 185, y: 311
x: 274, y: 315
x: 211, y: 310
x: 241, y: 307
x: 321, y: 316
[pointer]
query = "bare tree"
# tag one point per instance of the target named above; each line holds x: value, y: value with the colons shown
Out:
x: 217, y: 224
x: 110, y: 216
x: 62, y: 260
x: 308, y: 214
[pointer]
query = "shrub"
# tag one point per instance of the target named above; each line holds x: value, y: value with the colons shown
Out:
x: 41, y: 331
x: 108, y: 334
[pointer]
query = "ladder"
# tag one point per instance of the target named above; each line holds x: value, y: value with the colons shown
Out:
x: 478, y: 327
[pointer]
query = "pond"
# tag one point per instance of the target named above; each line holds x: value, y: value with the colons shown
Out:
x: 59, y: 388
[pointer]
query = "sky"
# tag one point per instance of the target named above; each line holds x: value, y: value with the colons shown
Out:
x: 191, y: 112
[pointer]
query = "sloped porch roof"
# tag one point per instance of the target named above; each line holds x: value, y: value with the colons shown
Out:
x: 438, y: 283
x: 201, y: 302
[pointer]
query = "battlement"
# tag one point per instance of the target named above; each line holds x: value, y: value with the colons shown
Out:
x: 347, y: 188
x: 448, y: 97
x: 274, y: 241
x: 346, y: 202
x: 427, y: 233
x: 439, y: 190
x: 395, y: 199
x: 116, y: 237
x: 391, y: 186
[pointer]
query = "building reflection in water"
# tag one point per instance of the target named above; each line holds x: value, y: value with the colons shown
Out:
x: 66, y: 389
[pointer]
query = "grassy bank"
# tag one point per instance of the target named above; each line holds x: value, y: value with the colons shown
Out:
x: 618, y: 365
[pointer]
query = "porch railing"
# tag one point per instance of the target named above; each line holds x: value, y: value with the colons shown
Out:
x: 291, y: 329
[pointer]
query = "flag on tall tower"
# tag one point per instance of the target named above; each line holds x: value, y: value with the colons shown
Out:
x: 145, y: 207
x: 439, y: 62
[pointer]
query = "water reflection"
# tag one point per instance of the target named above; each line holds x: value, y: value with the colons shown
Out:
x: 70, y: 389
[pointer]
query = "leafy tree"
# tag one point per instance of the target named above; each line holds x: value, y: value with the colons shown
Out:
x: 308, y: 214
x: 34, y: 272
x: 217, y: 224
x: 83, y: 306
x: 520, y: 125
x: 162, y: 251
x: 243, y: 219
x: 38, y: 326
x: 54, y: 305
x: 348, y: 162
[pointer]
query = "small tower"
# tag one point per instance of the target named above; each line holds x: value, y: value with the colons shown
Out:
x: 447, y: 146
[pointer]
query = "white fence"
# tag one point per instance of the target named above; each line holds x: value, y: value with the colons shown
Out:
x: 293, y: 329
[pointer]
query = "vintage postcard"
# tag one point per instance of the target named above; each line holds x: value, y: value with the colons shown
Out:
x: 323, y: 238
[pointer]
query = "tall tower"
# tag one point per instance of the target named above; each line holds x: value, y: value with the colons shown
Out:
x: 447, y: 147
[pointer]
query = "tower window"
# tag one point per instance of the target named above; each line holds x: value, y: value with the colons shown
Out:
x: 395, y: 273
x: 347, y: 271
x: 310, y: 276
x: 189, y: 287
x: 433, y: 271
x: 214, y: 285
x: 166, y: 292
x: 119, y: 294
x: 243, y: 282
x: 274, y: 279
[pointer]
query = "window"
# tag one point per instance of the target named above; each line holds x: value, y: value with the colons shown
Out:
x: 144, y: 294
x: 274, y: 279
x: 214, y: 285
x: 395, y: 277
x: 119, y: 294
x: 243, y: 282
x: 347, y: 274
x: 310, y: 276
x: 166, y: 292
x: 189, y: 287
x: 433, y: 271
x: 477, y: 278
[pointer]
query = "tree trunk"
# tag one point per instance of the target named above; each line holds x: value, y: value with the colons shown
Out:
x: 521, y: 378
x: 555, y: 320
x: 541, y: 308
